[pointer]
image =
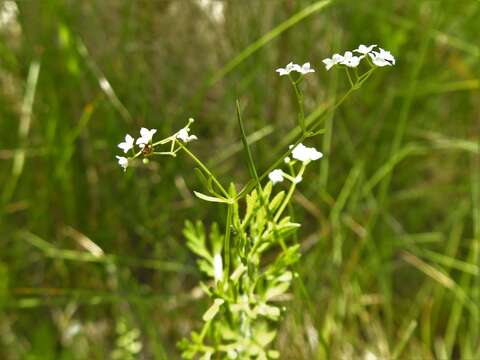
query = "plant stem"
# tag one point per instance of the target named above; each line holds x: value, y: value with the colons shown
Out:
x: 204, y: 168
x: 227, y: 241
x: 299, y: 96
x: 289, y: 194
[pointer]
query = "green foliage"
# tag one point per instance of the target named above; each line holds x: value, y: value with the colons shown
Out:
x: 127, y: 344
x: 246, y: 303
x: 390, y: 229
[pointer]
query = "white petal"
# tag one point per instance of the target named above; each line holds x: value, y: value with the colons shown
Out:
x: 122, y: 161
x: 144, y: 132
x: 363, y: 49
x: 305, y: 69
x: 276, y: 176
x: 298, y: 179
x: 329, y: 63
x: 337, y: 58
x: 304, y: 153
x: 217, y: 267
x: 300, y: 152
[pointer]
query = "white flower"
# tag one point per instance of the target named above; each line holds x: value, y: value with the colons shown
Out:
x: 306, y: 154
x: 288, y: 69
x: 145, y: 137
x: 329, y: 63
x: 123, y: 162
x: 217, y: 267
x: 350, y: 60
x: 276, y: 176
x: 298, y: 180
x: 184, y: 136
x: 305, y: 69
x: 364, y: 50
x: 287, y: 160
x: 127, y: 144
x: 382, y: 58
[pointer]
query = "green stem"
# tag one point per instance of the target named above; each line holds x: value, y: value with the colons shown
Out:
x: 289, y: 194
x: 249, y: 186
x: 299, y: 96
x: 349, y: 77
x: 227, y: 241
x: 204, y: 168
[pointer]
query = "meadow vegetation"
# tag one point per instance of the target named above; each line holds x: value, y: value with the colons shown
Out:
x: 94, y: 262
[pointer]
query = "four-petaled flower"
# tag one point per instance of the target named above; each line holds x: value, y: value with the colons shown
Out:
x: 350, y: 60
x: 123, y: 162
x: 276, y: 176
x: 382, y: 58
x: 329, y: 63
x: 288, y: 69
x: 184, y: 136
x: 302, y: 69
x: 145, y: 137
x: 305, y: 69
x: 306, y: 154
x: 364, y: 50
x: 127, y: 144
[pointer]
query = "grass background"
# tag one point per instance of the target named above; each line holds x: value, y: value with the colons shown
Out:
x: 92, y: 261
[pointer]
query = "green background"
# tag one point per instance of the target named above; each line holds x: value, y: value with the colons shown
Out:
x: 93, y: 264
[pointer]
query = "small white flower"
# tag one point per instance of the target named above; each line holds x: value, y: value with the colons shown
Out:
x: 288, y: 69
x: 364, y: 50
x: 305, y: 69
x: 217, y: 267
x: 127, y: 144
x: 145, y: 137
x: 184, y: 136
x: 350, y: 60
x: 123, y: 162
x: 382, y: 58
x: 287, y: 160
x: 298, y: 180
x: 305, y: 154
x: 276, y: 176
x: 329, y: 63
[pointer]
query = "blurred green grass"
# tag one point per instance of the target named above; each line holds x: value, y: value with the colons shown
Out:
x: 92, y: 261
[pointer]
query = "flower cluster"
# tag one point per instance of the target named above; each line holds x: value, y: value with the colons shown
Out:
x: 145, y: 139
x: 349, y: 59
x: 302, y: 69
x: 302, y: 153
x: 146, y: 145
x: 379, y: 58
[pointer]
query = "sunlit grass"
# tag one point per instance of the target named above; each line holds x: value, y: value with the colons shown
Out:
x: 93, y: 262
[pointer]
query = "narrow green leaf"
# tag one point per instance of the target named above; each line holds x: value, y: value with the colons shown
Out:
x: 213, y: 310
x: 212, y: 198
x: 265, y: 39
x: 203, y: 179
x: 246, y: 148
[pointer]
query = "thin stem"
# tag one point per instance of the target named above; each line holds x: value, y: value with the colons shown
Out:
x: 204, y: 168
x: 290, y: 193
x: 227, y: 241
x: 164, y: 153
x: 249, y: 186
x: 299, y: 96
x: 349, y: 77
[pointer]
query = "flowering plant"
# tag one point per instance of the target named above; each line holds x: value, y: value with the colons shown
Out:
x: 246, y: 287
